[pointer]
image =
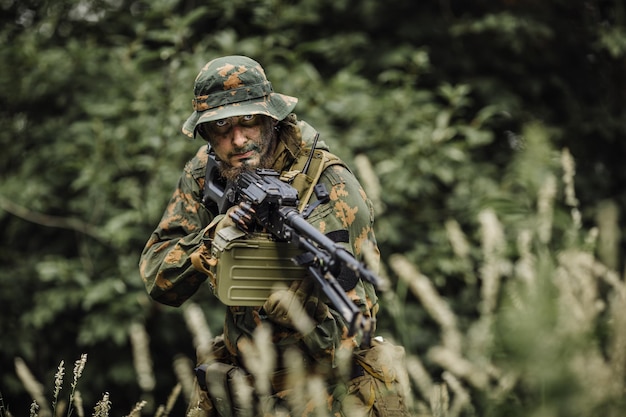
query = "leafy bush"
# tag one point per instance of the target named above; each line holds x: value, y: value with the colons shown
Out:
x: 461, y: 120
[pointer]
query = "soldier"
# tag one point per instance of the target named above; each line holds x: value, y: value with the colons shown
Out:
x: 247, y: 125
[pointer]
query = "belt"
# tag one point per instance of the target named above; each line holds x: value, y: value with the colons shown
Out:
x: 278, y: 379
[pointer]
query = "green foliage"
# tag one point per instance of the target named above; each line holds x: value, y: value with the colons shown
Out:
x: 461, y: 109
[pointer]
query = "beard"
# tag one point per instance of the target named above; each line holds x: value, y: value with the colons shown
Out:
x: 265, y: 149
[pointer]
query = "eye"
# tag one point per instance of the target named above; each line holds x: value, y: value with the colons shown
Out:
x: 220, y: 127
x: 249, y: 120
x: 221, y: 122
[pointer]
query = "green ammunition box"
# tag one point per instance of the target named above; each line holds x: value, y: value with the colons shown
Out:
x: 250, y: 267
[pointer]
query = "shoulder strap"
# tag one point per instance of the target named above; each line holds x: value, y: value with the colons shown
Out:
x: 304, y: 182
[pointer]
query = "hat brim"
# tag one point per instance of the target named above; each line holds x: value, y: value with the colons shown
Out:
x: 275, y: 105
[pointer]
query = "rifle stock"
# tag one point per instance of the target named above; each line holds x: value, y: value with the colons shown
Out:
x: 216, y: 188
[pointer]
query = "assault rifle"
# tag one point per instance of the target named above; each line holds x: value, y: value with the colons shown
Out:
x: 275, y: 210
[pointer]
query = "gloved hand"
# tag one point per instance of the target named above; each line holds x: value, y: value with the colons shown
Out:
x: 295, y: 307
x: 241, y: 215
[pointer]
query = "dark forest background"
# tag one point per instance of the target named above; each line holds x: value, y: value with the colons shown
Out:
x: 490, y: 135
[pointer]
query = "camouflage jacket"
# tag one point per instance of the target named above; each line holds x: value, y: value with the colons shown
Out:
x: 170, y: 277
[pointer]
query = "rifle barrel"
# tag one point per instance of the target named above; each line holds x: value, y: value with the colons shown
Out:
x: 293, y: 219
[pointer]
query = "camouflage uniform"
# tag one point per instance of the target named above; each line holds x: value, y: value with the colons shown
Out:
x: 187, y: 226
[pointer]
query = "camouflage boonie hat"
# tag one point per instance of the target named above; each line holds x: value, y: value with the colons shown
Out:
x: 234, y: 86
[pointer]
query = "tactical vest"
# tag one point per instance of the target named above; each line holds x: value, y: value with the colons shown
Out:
x: 249, y: 267
x: 304, y: 182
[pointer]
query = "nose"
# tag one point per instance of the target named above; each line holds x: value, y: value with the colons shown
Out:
x: 238, y: 139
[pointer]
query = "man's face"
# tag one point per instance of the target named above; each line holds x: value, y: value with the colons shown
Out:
x: 241, y: 142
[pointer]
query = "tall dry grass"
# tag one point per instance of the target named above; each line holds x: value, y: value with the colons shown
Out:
x: 550, y: 336
x: 548, y: 339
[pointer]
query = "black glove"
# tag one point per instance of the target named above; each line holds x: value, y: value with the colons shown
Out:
x: 242, y: 215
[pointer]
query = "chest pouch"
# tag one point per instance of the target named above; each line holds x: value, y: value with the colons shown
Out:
x: 250, y: 267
